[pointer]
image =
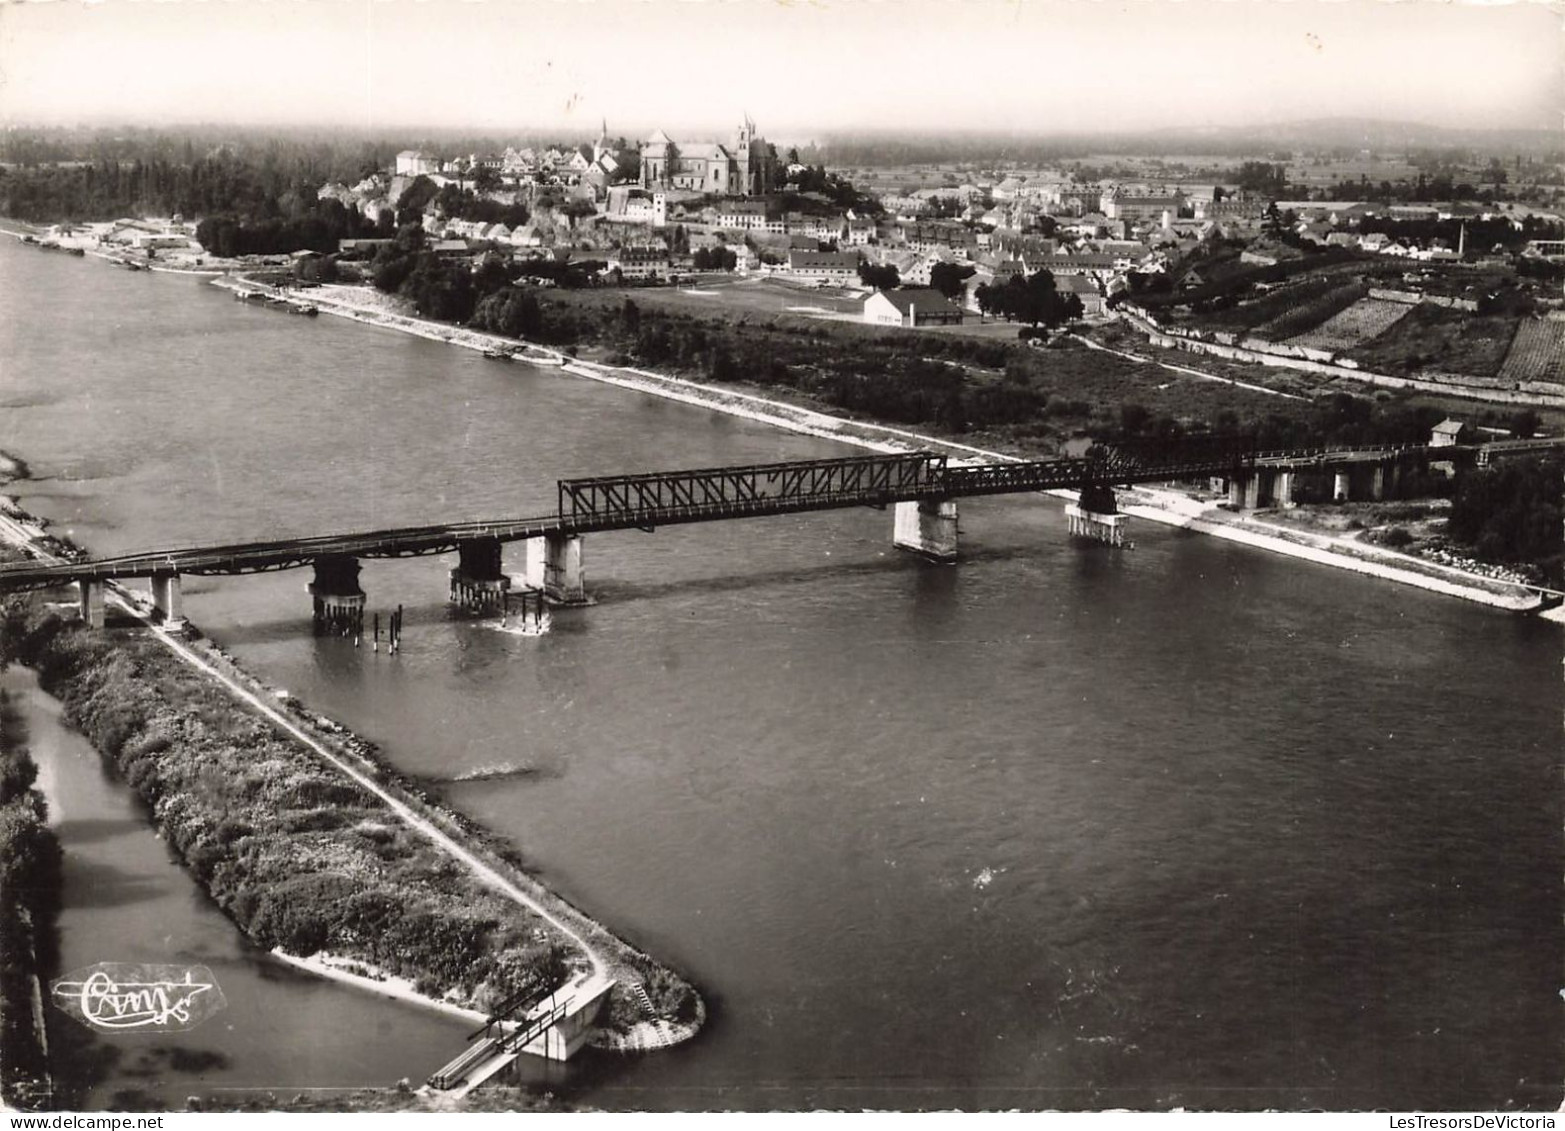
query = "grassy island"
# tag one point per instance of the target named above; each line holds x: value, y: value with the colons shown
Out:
x: 306, y: 860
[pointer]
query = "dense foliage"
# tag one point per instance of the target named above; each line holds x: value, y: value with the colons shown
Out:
x: 881, y: 276
x: 312, y: 227
x: 813, y: 189
x: 297, y: 855
x: 1033, y: 299
x: 714, y: 259
x: 1511, y: 513
x: 29, y: 902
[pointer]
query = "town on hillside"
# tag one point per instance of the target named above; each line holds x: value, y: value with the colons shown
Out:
x: 1320, y: 255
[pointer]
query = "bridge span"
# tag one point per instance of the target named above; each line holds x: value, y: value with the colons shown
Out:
x: 922, y: 487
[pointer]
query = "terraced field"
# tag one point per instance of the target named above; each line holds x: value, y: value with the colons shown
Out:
x: 1301, y: 317
x: 1537, y: 353
x: 1364, y: 321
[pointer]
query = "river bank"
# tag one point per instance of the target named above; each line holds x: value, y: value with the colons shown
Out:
x: 1164, y: 506
x: 303, y: 863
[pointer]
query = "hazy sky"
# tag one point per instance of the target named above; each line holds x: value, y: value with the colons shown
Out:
x: 799, y: 67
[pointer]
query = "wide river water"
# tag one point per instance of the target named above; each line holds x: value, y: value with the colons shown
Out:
x: 1059, y: 826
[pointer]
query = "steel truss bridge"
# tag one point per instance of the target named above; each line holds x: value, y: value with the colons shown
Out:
x: 666, y: 498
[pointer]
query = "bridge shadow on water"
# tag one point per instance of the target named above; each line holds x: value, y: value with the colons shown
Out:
x: 618, y: 590
x: 887, y: 563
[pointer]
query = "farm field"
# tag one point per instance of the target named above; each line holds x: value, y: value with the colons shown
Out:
x: 1307, y: 315
x: 1537, y: 353
x: 1264, y: 309
x: 1433, y: 337
x: 1364, y: 321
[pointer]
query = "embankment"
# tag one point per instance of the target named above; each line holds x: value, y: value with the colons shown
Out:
x: 1445, y: 384
x: 1174, y: 509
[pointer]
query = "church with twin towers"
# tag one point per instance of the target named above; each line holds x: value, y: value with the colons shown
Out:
x: 746, y: 165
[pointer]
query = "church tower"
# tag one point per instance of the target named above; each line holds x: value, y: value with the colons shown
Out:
x: 603, y: 144
x: 744, y: 185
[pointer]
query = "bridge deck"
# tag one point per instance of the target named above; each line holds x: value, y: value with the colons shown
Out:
x: 646, y: 501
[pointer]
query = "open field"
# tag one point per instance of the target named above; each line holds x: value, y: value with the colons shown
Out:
x: 1364, y: 321
x: 752, y: 295
x: 1537, y: 353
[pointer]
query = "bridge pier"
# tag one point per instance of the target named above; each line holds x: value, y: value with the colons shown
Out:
x: 478, y: 581
x: 1282, y: 489
x: 167, y: 601
x: 1083, y: 523
x: 1377, y: 482
x: 1251, y: 490
x: 1236, y: 489
x: 582, y: 1000
x: 90, y: 599
x: 1341, y: 487
x: 554, y: 565
x: 338, y: 602
x: 927, y: 527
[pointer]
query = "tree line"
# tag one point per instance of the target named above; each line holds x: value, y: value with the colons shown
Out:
x: 1034, y: 299
x: 314, y: 226
x: 1512, y: 513
x: 30, y: 875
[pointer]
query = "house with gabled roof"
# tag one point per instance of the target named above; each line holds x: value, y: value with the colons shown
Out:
x: 825, y: 268
x: 912, y: 307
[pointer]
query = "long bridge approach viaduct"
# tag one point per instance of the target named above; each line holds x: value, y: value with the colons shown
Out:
x: 923, y: 487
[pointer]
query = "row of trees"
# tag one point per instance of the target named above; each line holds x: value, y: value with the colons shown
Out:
x: 1034, y: 299
x: 715, y: 259
x: 220, y: 183
x: 30, y: 864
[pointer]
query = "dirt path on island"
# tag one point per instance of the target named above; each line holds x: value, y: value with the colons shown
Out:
x: 23, y: 536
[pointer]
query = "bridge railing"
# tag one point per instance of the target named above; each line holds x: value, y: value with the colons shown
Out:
x: 1337, y: 450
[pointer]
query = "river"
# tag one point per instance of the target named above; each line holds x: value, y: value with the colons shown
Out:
x: 1059, y: 826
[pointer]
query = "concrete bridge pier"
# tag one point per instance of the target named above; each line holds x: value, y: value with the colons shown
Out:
x: 927, y: 527
x: 1237, y: 484
x: 91, y: 603
x: 166, y: 600
x: 1251, y: 490
x: 554, y: 565
x: 1341, y: 487
x: 337, y: 599
x: 478, y: 581
x: 1377, y: 482
x: 582, y: 1000
x: 1282, y: 489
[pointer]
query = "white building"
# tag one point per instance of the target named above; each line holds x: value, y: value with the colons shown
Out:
x: 911, y: 306
x: 414, y: 163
